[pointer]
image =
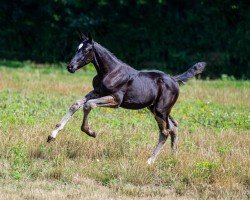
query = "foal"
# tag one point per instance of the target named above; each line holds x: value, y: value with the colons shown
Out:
x: 119, y: 85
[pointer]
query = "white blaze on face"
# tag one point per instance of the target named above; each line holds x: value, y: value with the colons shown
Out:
x: 80, y: 46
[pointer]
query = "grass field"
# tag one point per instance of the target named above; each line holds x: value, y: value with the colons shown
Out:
x: 212, y: 162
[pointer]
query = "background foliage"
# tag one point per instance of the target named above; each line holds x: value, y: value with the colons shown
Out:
x: 168, y: 35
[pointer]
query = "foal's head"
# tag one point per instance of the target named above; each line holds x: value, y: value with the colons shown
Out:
x: 84, y: 54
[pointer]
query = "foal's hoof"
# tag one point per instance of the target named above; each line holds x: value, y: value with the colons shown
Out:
x: 50, y: 139
x: 150, y: 161
x: 88, y: 132
x: 91, y: 134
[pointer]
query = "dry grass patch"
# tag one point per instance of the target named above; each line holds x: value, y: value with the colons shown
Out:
x: 212, y: 160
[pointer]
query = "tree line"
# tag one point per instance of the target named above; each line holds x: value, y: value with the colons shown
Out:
x: 163, y: 34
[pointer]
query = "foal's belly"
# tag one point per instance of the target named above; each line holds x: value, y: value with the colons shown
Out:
x: 140, y: 94
x: 135, y: 105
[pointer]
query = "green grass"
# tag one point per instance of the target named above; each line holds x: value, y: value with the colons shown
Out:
x: 212, y: 160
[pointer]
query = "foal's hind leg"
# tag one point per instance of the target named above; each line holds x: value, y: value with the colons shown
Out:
x: 161, y: 111
x: 156, y: 151
x: 78, y: 104
x: 107, y: 101
x: 165, y: 130
x: 173, y: 133
x: 163, y: 135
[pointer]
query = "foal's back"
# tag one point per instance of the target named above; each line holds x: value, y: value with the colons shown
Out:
x: 145, y: 87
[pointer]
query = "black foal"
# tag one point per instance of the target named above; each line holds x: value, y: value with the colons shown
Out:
x: 119, y: 85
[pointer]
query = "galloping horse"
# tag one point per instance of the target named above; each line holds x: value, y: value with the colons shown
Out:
x: 119, y: 85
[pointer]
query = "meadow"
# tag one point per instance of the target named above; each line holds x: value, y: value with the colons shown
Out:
x: 212, y: 161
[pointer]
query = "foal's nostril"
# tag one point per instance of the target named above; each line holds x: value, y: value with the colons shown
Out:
x: 70, y: 68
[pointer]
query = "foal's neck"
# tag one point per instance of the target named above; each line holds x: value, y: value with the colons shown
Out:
x: 104, y: 61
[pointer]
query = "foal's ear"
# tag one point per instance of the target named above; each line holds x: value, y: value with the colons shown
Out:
x: 90, y: 37
x: 82, y: 36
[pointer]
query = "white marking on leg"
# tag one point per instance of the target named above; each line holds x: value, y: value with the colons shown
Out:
x: 66, y: 118
x: 156, y: 151
x: 150, y: 161
x: 62, y: 124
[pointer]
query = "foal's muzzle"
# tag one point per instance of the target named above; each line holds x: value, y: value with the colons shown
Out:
x: 71, y: 69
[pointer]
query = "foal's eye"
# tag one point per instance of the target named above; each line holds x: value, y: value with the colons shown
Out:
x: 88, y: 49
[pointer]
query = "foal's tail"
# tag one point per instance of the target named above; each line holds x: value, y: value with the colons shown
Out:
x: 191, y: 72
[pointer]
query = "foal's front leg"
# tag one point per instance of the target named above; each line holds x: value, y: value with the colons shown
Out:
x: 78, y: 104
x: 106, y: 101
